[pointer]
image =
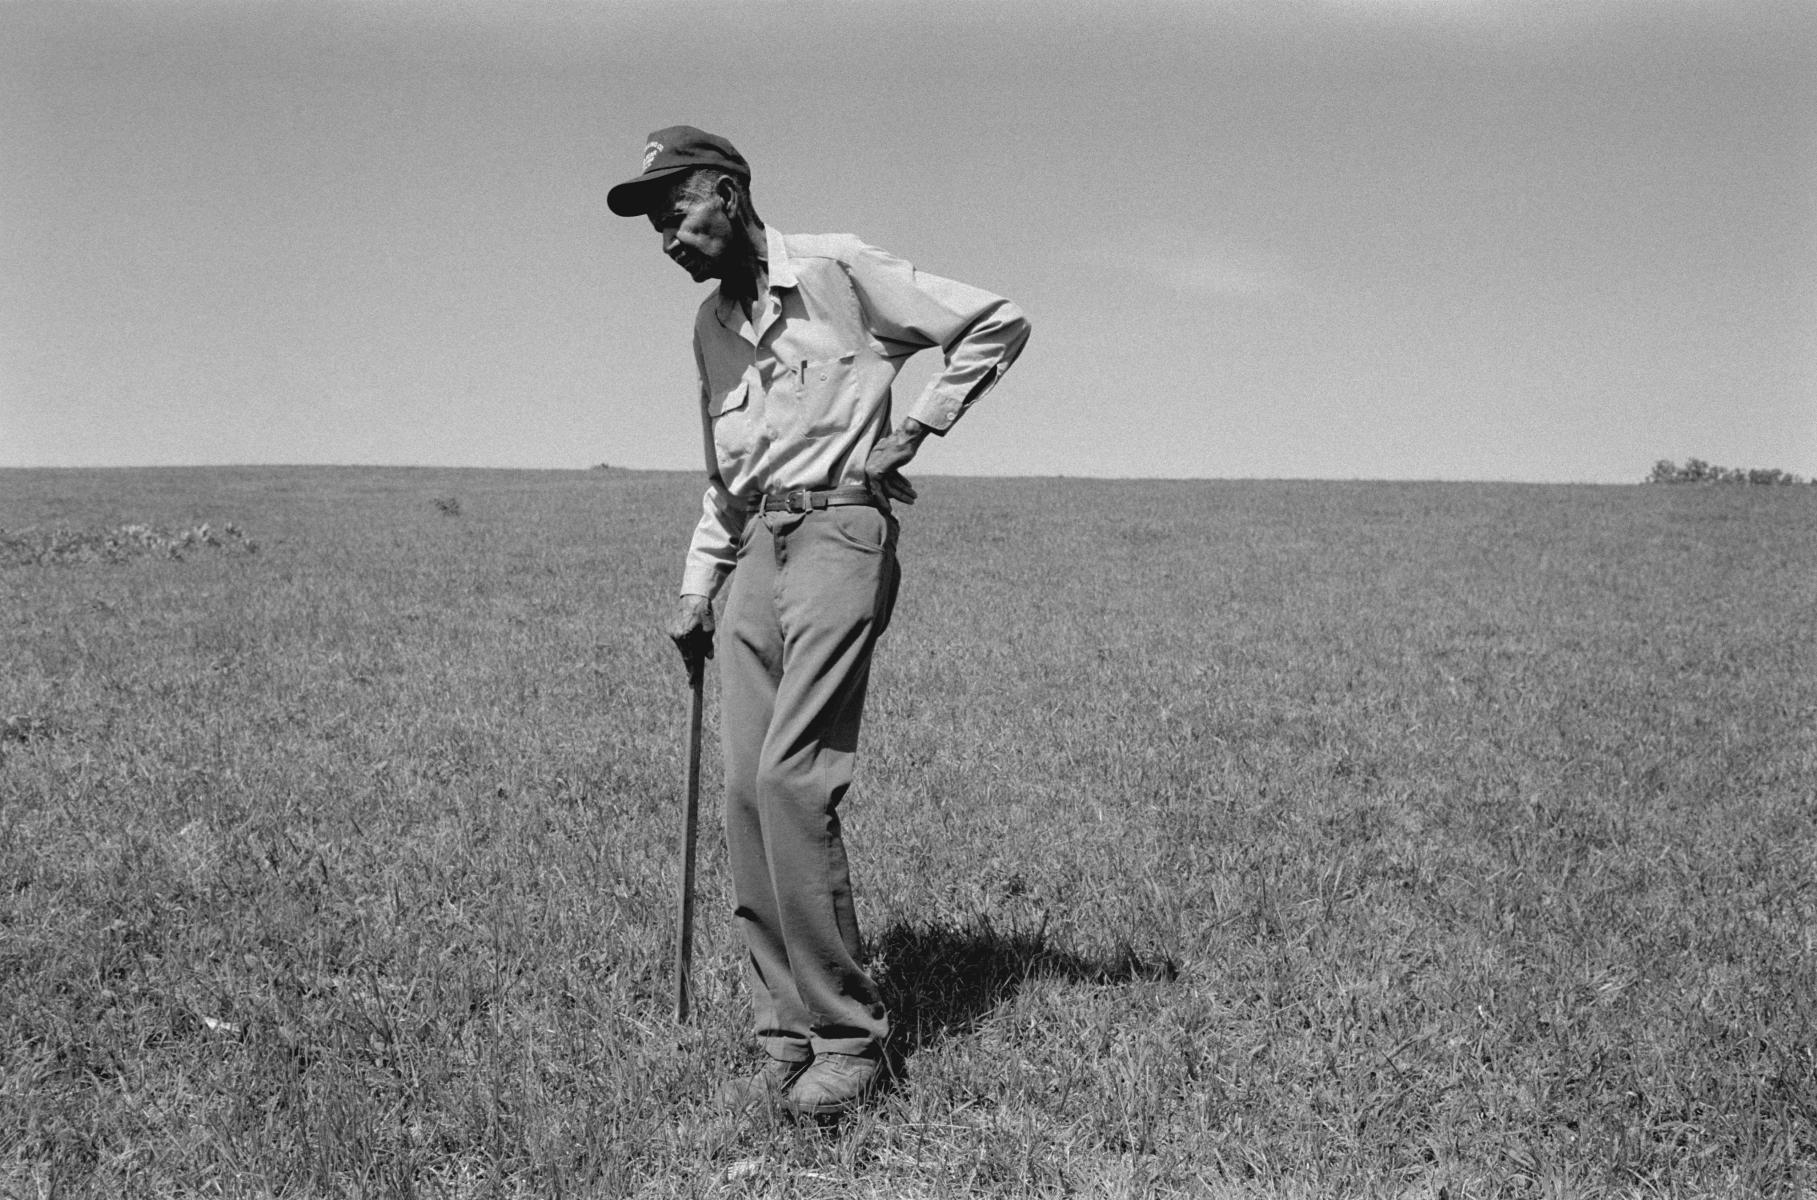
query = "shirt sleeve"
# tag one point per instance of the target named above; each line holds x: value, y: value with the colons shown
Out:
x: 713, y: 551
x: 981, y: 334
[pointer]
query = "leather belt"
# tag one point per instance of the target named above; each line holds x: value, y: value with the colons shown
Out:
x: 803, y: 500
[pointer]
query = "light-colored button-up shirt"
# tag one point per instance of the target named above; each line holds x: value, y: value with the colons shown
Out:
x: 797, y: 395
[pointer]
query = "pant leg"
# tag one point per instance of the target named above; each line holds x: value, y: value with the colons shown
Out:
x: 835, y: 587
x: 750, y: 651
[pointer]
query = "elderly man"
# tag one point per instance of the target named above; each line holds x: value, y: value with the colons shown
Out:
x: 796, y: 351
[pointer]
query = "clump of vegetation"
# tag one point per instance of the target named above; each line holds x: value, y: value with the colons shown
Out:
x: 59, y: 546
x: 1696, y: 470
x: 448, y: 506
x: 22, y: 727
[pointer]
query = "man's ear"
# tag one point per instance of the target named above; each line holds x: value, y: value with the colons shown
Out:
x: 727, y: 190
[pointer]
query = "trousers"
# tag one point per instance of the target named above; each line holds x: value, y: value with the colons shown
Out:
x: 810, y: 595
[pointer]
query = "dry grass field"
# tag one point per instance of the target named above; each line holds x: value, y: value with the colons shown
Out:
x: 1214, y: 839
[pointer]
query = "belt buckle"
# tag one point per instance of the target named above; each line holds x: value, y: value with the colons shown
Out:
x: 801, y: 500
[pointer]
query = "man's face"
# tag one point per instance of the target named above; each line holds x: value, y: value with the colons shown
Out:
x: 697, y: 234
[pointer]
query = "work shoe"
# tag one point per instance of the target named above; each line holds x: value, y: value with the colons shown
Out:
x: 767, y: 1086
x: 836, y: 1084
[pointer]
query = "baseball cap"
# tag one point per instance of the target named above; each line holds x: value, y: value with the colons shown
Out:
x: 668, y: 153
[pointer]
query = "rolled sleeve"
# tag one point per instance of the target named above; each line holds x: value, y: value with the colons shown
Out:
x: 980, y: 333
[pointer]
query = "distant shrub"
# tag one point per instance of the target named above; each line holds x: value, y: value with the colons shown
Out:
x: 31, y: 547
x: 1696, y: 470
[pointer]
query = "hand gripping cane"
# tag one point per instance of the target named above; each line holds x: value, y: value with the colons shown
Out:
x: 690, y: 812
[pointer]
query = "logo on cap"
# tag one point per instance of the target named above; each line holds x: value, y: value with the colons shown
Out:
x: 650, y: 153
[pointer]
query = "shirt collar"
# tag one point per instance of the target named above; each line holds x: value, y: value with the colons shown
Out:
x: 779, y: 268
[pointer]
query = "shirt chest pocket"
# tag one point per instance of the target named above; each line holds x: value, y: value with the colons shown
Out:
x: 730, y: 416
x: 820, y: 399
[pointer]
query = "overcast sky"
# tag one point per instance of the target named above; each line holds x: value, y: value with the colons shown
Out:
x: 1451, y: 239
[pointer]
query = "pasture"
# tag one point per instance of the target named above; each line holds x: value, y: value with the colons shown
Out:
x: 1213, y: 839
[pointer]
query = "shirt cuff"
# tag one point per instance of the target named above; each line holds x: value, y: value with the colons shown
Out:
x: 701, y: 579
x: 938, y: 408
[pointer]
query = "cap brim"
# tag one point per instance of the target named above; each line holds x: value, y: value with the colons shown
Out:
x: 635, y: 197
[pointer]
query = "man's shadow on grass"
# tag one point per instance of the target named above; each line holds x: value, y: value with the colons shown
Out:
x: 941, y: 981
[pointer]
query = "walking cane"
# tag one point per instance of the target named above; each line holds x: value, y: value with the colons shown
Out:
x: 690, y: 811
